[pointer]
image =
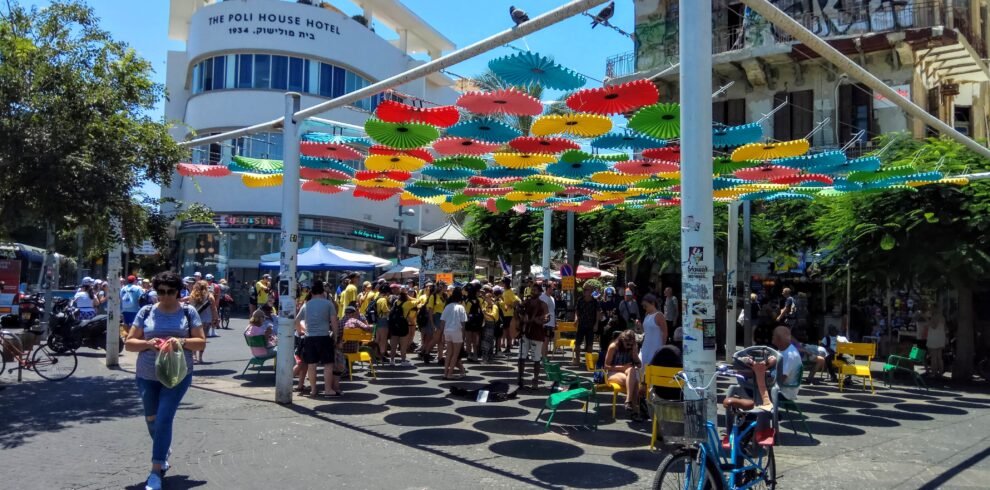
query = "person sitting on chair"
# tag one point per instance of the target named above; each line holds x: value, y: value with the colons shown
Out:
x: 622, y: 367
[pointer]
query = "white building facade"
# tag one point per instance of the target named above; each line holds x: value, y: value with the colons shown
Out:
x: 241, y: 57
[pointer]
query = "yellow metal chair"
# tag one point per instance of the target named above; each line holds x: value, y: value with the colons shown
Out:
x: 858, y: 351
x: 590, y: 361
x: 559, y: 342
x: 363, y: 354
x: 663, y: 377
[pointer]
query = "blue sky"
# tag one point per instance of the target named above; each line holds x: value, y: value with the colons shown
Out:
x: 144, y: 25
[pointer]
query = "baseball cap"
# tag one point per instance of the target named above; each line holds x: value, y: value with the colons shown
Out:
x: 131, y: 279
x: 87, y: 281
x: 395, y: 285
x: 367, y: 284
x: 209, y: 277
x: 266, y: 276
x: 198, y: 274
x: 595, y: 294
x: 350, y: 309
x: 188, y: 280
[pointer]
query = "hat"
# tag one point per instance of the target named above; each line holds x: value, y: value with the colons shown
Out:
x: 188, y: 280
x: 350, y: 309
x: 395, y: 285
x: 498, y: 290
x: 610, y: 290
x: 367, y: 284
x: 87, y: 281
x: 679, y: 334
x: 266, y: 276
x: 198, y: 274
x: 223, y: 281
x: 650, y: 298
x: 209, y: 277
x: 131, y: 279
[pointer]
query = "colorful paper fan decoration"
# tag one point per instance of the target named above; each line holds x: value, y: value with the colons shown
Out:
x: 646, y: 167
x: 463, y: 146
x: 766, y: 172
x: 395, y: 112
x: 323, y: 173
x: 450, y: 208
x: 657, y: 183
x: 495, y: 172
x: 397, y: 175
x: 339, y: 139
x: 571, y: 156
x: 461, y: 161
x: 614, y: 99
x: 261, y: 180
x: 255, y: 165
x: 631, y: 141
x: 420, y: 153
x: 821, y: 159
x: 325, y: 164
x: 725, y: 166
x: 557, y: 179
x: 529, y: 68
x: 577, y: 170
x: 510, y: 101
x: 532, y: 144
x: 520, y: 196
x: 379, y: 182
x: 583, y: 125
x: 722, y: 183
x: 661, y: 120
x: 862, y: 164
x: 447, y: 173
x: 920, y: 179
x: 615, y: 178
x: 485, y: 129
x: 318, y: 186
x: 328, y: 150
x: 384, y: 163
x: 478, y: 180
x: 880, y: 174
x: 803, y: 178
x: 375, y: 194
x: 487, y: 191
x: 194, y: 170
x: 404, y: 135
x: 522, y: 160
x: 770, y: 151
x: 779, y: 196
x: 669, y: 153
x: 538, y: 185
x: 733, y: 136
x: 424, y: 192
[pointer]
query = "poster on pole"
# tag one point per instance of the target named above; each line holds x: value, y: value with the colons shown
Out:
x: 567, y: 283
x: 445, y: 277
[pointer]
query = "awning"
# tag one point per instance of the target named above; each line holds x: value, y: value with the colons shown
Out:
x: 342, y: 252
x: 320, y: 258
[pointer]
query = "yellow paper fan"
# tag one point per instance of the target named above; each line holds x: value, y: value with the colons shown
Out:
x: 761, y: 187
x: 449, y: 207
x: 770, y: 151
x: 384, y: 163
x: 727, y: 193
x: 380, y: 182
x: 615, y: 178
x: 523, y: 160
x: 519, y: 196
x: 408, y: 196
x: 612, y: 195
x: 944, y: 180
x: 261, y: 180
x: 555, y: 179
x: 585, y: 125
x: 668, y: 175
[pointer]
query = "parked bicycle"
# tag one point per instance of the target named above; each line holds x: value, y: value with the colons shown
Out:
x: 47, y: 363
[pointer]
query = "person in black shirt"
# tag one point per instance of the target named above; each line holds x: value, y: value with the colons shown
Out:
x: 586, y: 315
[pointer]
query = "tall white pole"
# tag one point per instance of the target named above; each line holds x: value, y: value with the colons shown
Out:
x: 732, y: 279
x: 747, y: 276
x: 113, y: 296
x: 697, y: 238
x: 547, y: 220
x: 290, y: 245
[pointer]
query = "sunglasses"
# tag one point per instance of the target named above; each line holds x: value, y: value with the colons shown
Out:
x: 166, y: 292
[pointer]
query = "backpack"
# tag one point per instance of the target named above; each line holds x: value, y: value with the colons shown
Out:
x: 371, y: 313
x: 254, y: 295
x: 475, y: 318
x: 145, y: 298
x: 423, y: 316
x: 396, y: 320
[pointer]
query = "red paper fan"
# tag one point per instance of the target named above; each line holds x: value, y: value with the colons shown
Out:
x: 480, y: 181
x: 505, y: 101
x: 669, y: 153
x: 420, y: 153
x: 463, y: 146
x: 336, y: 151
x: 766, y: 172
x: 392, y: 111
x: 318, y: 173
x: 664, y: 203
x: 410, y: 202
x: 532, y: 144
x: 797, y: 179
x: 194, y: 170
x: 487, y: 191
x: 375, y: 193
x: 614, y: 99
x: 646, y: 167
x: 578, y: 191
x: 314, y: 186
x: 399, y: 175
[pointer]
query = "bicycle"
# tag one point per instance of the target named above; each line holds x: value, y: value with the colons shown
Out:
x: 47, y: 363
x: 225, y: 317
x: 699, y: 458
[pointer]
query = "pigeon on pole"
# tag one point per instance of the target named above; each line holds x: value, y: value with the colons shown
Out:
x: 604, y: 15
x: 518, y: 16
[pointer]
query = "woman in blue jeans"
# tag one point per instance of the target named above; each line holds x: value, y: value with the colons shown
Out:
x: 154, y: 324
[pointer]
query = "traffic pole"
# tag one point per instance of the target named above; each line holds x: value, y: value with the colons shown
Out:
x: 545, y: 263
x: 747, y: 275
x: 113, y: 296
x: 697, y: 232
x: 732, y: 279
x: 289, y: 248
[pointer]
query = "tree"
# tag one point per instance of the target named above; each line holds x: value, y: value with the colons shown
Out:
x: 510, y: 235
x: 76, y: 139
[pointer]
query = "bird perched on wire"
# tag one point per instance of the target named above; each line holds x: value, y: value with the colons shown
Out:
x: 518, y: 16
x: 604, y: 15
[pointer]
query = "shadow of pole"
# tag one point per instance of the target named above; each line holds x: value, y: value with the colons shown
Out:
x: 947, y: 475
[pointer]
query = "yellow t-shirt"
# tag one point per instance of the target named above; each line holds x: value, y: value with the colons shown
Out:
x: 382, y: 306
x: 366, y: 300
x: 509, y: 299
x: 409, y: 309
x: 348, y: 296
x: 434, y: 302
x: 490, y: 311
x: 262, y: 292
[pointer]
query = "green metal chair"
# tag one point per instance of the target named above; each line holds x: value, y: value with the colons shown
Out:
x: 905, y: 364
x: 573, y: 386
x: 257, y: 361
x: 790, y: 406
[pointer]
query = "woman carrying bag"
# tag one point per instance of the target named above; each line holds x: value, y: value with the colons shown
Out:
x: 164, y: 325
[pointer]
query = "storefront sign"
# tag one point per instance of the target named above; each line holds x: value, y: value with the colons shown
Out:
x: 263, y: 22
x: 446, y: 278
x: 368, y: 234
x: 251, y: 221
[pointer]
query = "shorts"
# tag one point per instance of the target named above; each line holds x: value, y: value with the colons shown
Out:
x: 532, y: 348
x: 455, y: 336
x: 318, y: 350
x: 398, y: 330
x: 129, y: 317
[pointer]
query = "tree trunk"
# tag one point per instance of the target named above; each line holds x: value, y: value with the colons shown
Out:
x: 962, y: 365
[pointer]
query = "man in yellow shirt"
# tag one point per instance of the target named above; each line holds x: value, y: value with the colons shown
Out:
x: 509, y: 303
x: 434, y: 302
x: 367, y: 297
x: 262, y: 288
x: 349, y: 294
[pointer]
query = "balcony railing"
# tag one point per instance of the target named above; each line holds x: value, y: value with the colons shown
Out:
x: 754, y: 32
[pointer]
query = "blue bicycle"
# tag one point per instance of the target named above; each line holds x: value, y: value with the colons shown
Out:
x: 697, y: 458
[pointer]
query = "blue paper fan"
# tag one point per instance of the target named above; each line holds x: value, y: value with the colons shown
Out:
x: 595, y: 186
x: 335, y: 138
x: 862, y: 164
x: 824, y: 159
x: 485, y: 129
x: 577, y: 170
x: 426, y: 192
x: 563, y: 200
x: 757, y: 196
x: 618, y: 141
x: 780, y: 196
x: 722, y: 183
x: 733, y: 136
x: 497, y: 172
x: 844, y: 185
x: 325, y: 164
x: 529, y: 68
x: 442, y: 173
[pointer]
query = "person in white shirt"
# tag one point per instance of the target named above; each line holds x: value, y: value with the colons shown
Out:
x: 85, y: 299
x: 551, y: 325
x: 452, y: 322
x: 831, y: 342
x: 789, y: 364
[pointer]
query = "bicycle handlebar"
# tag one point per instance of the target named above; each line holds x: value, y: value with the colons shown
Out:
x: 720, y: 370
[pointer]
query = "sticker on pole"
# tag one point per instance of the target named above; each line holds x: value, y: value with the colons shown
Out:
x: 566, y: 270
x: 567, y: 283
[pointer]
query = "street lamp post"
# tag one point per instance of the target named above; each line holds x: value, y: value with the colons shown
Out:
x: 399, y: 239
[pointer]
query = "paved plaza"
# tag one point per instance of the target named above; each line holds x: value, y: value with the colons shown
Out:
x: 404, y: 431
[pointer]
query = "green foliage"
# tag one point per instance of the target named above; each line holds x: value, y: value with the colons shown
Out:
x: 75, y: 137
x: 593, y: 284
x: 515, y: 237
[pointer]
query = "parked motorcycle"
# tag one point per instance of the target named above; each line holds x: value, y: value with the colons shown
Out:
x: 28, y: 317
x: 68, y: 332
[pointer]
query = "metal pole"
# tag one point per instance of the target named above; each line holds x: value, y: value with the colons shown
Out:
x: 747, y: 262
x: 545, y: 263
x: 113, y: 296
x: 781, y: 20
x: 79, y: 255
x: 290, y: 245
x: 554, y: 16
x: 732, y: 279
x: 398, y: 239
x: 849, y: 293
x: 570, y: 241
x: 697, y: 233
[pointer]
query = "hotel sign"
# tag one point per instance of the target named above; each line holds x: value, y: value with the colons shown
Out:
x: 261, y: 21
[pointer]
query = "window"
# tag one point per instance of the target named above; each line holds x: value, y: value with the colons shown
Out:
x: 962, y: 115
x: 338, y: 81
x: 219, y: 72
x: 326, y: 80
x: 295, y: 74
x: 280, y: 72
x: 245, y: 67
x: 197, y: 78
x: 262, y: 71
x: 796, y: 119
x: 311, y: 77
x: 730, y: 112
x: 855, y: 112
x: 250, y: 245
x: 261, y: 145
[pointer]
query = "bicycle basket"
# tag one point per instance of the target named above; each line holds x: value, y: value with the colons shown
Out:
x: 682, y: 422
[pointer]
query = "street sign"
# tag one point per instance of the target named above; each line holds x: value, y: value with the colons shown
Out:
x: 567, y: 283
x: 566, y: 270
x: 446, y: 277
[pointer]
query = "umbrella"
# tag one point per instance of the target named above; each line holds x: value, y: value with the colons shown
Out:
x: 615, y: 178
x: 577, y: 170
x: 399, y: 175
x: 464, y: 146
x: 419, y: 153
x: 255, y: 165
x: 328, y: 150
x: 724, y: 165
x: 383, y: 163
x: 447, y: 173
x: 862, y: 164
x: 571, y: 156
x: 400, y: 135
x: 522, y: 160
x: 584, y: 272
x: 584, y: 125
x: 510, y: 101
x: 376, y: 194
x: 880, y: 174
x: 658, y: 120
x: 497, y: 172
x: 770, y: 151
x: 392, y: 111
x: 261, y: 180
x: 766, y: 172
x: 532, y: 144
x: 800, y: 179
x: 325, y: 164
x: 335, y: 138
x: 822, y: 159
x: 629, y: 140
x: 489, y: 181
x: 486, y: 129
x: 538, y: 186
x: 529, y: 68
x: 519, y: 196
x: 194, y: 170
x: 379, y: 183
x: 614, y: 99
x: 401, y: 272
x: 473, y: 163
x: 487, y: 191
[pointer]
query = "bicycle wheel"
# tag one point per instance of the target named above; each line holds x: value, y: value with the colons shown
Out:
x: 225, y: 318
x: 675, y: 471
x: 52, y: 365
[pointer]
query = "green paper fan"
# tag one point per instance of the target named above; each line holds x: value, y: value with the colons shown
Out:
x: 255, y: 165
x: 458, y: 199
x: 657, y: 183
x: 575, y: 156
x: 461, y: 161
x: 503, y: 205
x: 537, y: 185
x: 452, y: 185
x: 725, y: 165
x: 882, y: 174
x: 661, y: 120
x: 405, y: 135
